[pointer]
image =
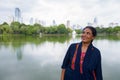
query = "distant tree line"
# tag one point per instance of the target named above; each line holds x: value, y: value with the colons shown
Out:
x: 18, y: 28
x: 109, y: 30
x: 21, y: 28
x: 105, y: 30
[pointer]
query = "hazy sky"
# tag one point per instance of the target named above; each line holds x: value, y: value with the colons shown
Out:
x: 77, y: 11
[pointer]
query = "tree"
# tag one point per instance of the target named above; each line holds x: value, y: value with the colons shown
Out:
x: 61, y: 29
x: 15, y: 27
x: 5, y: 28
x: 116, y: 29
x: 78, y: 31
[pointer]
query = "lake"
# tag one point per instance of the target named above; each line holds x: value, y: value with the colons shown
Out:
x: 40, y: 58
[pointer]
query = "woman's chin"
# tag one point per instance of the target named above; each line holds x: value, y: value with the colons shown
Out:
x: 85, y: 41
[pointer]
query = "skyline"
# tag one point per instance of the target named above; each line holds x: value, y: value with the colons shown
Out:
x: 76, y: 11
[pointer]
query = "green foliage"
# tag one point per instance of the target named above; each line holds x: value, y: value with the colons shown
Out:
x: 5, y: 28
x: 69, y: 30
x: 109, y: 30
x: 78, y: 31
x: 18, y: 28
x: 15, y: 27
x: 61, y: 29
x: 116, y: 29
x: 1, y: 29
x: 21, y: 28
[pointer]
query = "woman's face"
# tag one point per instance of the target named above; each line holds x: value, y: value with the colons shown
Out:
x: 87, y: 36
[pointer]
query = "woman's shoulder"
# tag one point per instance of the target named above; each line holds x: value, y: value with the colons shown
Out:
x: 74, y: 44
x: 96, y: 51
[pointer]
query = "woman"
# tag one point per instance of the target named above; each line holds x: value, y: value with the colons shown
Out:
x: 83, y: 60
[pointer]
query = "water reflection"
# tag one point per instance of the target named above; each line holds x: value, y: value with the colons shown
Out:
x: 19, y: 53
x: 40, y: 58
x: 110, y: 58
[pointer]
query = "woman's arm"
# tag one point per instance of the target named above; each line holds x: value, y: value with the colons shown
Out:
x: 62, y: 74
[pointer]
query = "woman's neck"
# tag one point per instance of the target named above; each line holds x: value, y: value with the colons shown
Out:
x: 85, y: 46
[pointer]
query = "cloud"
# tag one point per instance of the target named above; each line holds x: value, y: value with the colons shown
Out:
x: 77, y: 11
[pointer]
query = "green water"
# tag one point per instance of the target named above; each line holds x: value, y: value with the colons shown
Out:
x: 40, y: 58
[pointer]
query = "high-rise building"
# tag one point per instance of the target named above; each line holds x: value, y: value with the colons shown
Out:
x: 89, y: 24
x: 17, y: 15
x: 68, y: 24
x: 54, y: 23
x: 31, y: 21
x: 95, y: 22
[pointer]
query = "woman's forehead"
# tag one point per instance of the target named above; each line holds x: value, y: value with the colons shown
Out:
x: 87, y: 29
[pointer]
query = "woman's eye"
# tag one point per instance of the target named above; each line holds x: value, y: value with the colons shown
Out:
x: 88, y: 33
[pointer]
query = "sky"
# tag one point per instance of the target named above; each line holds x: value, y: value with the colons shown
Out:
x: 76, y: 11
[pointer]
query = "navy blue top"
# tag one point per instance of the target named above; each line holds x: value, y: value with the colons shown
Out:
x: 92, y: 62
